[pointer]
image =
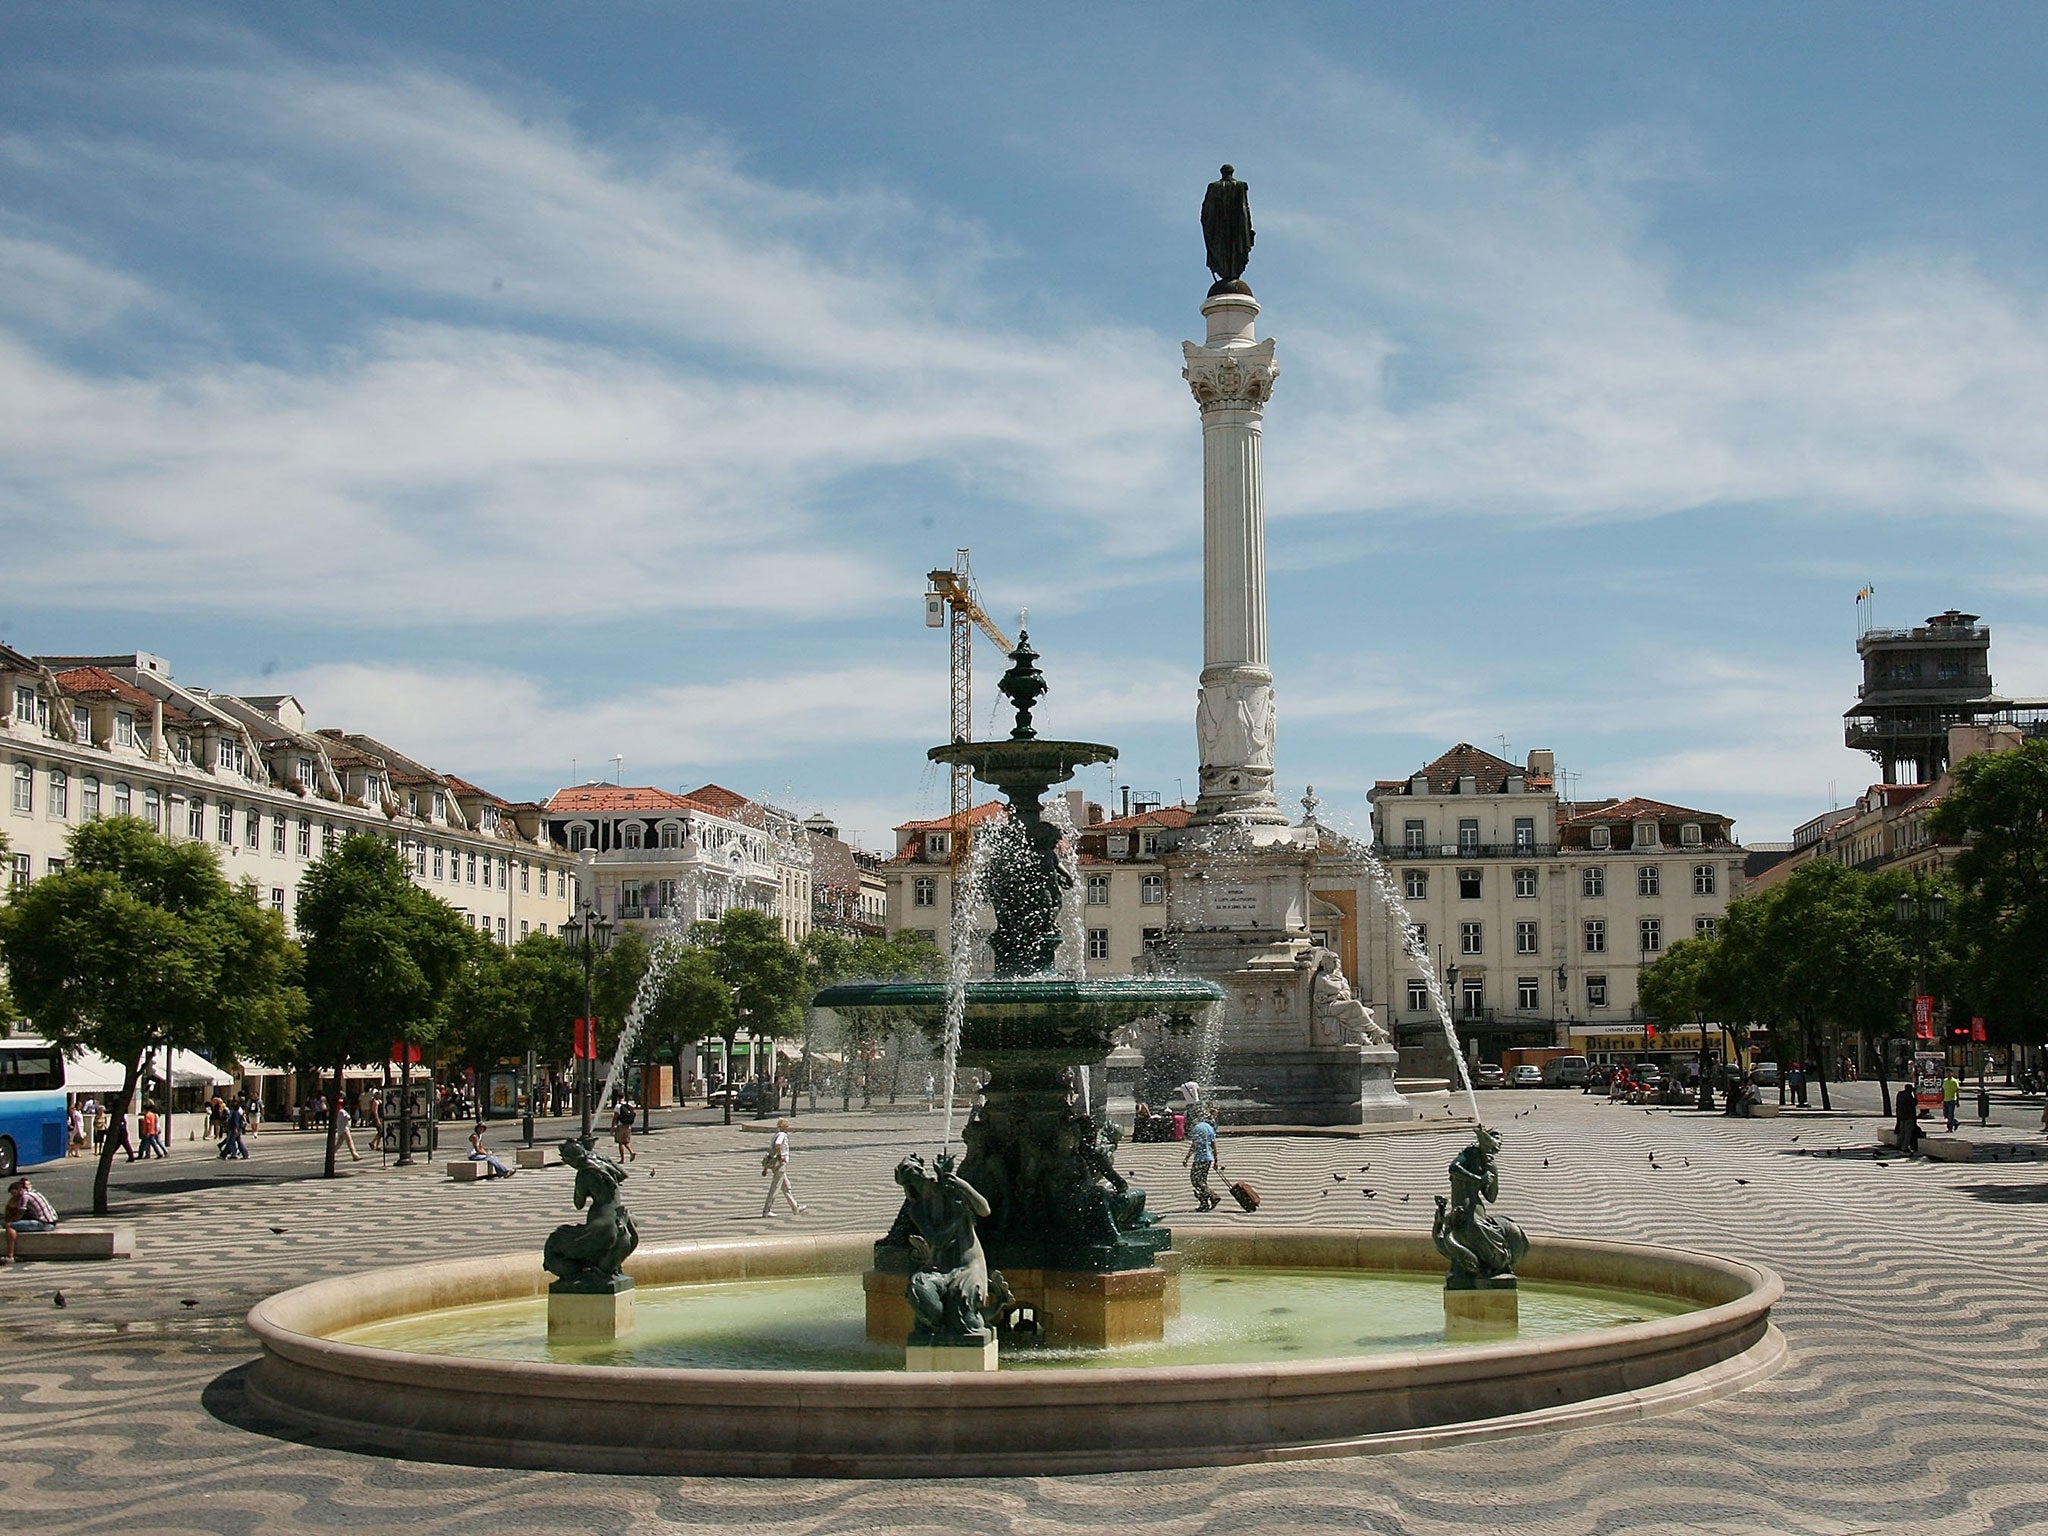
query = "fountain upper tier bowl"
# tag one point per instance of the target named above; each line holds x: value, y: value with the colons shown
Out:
x: 1066, y: 1022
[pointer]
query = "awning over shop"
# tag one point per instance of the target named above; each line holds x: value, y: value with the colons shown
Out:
x: 89, y: 1072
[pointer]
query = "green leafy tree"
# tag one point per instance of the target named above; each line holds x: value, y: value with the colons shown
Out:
x: 831, y: 957
x: 694, y: 1004
x: 383, y: 959
x: 763, y: 971
x: 1677, y: 988
x: 140, y: 942
x: 1999, y: 809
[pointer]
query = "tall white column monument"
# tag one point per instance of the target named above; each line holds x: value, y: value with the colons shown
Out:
x: 1295, y: 1046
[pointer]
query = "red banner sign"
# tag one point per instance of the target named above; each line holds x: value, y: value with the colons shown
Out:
x: 586, y: 1040
x: 1923, y: 1018
x: 1977, y: 1034
x: 401, y: 1053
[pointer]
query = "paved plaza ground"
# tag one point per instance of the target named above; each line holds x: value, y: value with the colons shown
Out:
x: 1916, y: 1311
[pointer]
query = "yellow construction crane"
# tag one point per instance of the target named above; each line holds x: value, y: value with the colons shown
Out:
x: 952, y: 603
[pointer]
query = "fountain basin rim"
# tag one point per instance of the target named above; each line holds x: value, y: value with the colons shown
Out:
x: 524, y: 1413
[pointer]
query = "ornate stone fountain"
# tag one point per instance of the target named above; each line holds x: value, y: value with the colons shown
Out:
x: 1068, y: 1234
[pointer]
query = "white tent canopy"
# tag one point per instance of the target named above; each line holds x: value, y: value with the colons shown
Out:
x: 90, y: 1072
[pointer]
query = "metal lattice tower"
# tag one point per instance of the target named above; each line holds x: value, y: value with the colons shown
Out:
x: 952, y: 601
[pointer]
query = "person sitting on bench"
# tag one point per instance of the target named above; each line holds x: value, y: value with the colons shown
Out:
x: 26, y: 1211
x: 499, y: 1168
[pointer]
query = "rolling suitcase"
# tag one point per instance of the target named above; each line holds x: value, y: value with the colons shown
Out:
x: 1246, y: 1197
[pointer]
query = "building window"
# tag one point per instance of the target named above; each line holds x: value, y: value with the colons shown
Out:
x: 1412, y: 831
x: 1600, y: 837
x: 124, y: 799
x: 1152, y: 890
x: 924, y: 892
x: 1527, y: 995
x: 1593, y: 882
x: 60, y: 793
x: 1418, y: 995
x: 501, y: 930
x: 1596, y: 991
x: 1703, y: 926
x: 18, y: 867
x: 1703, y: 879
x: 124, y: 730
x: 183, y: 750
x: 277, y: 898
x: 152, y: 806
x: 252, y: 829
x: 89, y: 798
x: 525, y: 877
x: 1148, y: 845
x: 1098, y: 890
x: 1651, y: 932
x: 503, y: 884
x: 1525, y: 882
x: 1098, y: 943
x: 24, y: 787
x: 1471, y: 938
x: 1646, y: 834
x: 1418, y: 936
x: 195, y: 819
x: 224, y: 822
x: 81, y: 724
x: 440, y: 805
x: 579, y: 839
x: 1525, y: 938
x: 419, y: 859
x: 1596, y: 935
x: 439, y: 872
x: 544, y: 880
x: 1649, y: 880
x: 1415, y: 884
x: 937, y: 844
x: 1468, y: 835
x: 327, y: 837
x: 522, y: 929
x: 305, y: 837
x: 469, y: 867
x: 277, y: 835
x: 671, y: 835
x: 1474, y: 999
x: 1525, y: 833
x: 24, y: 704
x: 636, y: 835
x: 1468, y: 884
x: 1689, y: 834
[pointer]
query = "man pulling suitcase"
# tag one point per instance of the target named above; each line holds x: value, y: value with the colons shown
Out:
x: 1200, y: 1161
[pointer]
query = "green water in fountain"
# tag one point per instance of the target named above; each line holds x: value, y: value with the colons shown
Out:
x: 1231, y: 1316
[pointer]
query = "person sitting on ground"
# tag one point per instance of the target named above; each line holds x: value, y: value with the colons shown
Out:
x: 26, y: 1211
x: 496, y: 1167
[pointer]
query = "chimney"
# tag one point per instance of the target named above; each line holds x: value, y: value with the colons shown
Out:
x: 1542, y: 763
x: 156, y: 730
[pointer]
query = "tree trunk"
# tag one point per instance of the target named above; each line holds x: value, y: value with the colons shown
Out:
x: 129, y: 1073
x: 334, y: 1113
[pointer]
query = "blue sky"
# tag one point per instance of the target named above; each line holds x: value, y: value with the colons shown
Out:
x: 531, y: 383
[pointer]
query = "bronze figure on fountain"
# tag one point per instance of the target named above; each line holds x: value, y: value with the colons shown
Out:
x: 1483, y: 1249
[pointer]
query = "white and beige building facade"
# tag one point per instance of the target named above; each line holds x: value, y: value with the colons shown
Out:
x: 90, y: 736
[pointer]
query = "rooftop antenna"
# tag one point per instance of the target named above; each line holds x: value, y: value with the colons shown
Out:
x: 618, y: 770
x: 1503, y: 747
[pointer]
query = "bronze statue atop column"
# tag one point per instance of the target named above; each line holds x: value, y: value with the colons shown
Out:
x: 1227, y: 231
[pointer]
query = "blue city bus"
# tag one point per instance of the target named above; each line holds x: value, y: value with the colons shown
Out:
x: 33, y: 1124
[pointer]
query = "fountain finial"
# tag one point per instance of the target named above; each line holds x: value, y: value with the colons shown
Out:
x: 1024, y: 685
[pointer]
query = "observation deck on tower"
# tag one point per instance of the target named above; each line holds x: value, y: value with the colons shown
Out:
x: 1919, y: 683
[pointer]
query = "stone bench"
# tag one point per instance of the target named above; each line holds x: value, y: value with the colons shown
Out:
x: 1764, y: 1111
x: 69, y: 1242
x: 466, y: 1172
x: 539, y: 1157
x: 1948, y: 1149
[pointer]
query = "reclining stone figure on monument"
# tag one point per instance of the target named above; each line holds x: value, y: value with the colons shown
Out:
x: 1340, y: 1016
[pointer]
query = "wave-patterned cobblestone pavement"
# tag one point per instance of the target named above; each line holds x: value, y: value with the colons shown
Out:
x: 1913, y: 1402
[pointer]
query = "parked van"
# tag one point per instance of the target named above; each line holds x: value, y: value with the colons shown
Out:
x: 1565, y: 1072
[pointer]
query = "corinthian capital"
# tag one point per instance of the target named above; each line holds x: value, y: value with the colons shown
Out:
x: 1235, y: 377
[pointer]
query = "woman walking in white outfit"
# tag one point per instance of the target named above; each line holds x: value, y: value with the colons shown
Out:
x: 775, y: 1169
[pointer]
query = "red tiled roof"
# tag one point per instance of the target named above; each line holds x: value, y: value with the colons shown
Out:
x: 975, y: 816
x: 612, y: 797
x: 98, y: 680
x: 1467, y: 761
x: 719, y: 800
x: 1169, y: 816
x: 464, y: 787
x: 1636, y: 809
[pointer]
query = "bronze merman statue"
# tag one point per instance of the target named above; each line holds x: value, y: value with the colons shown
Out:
x: 951, y: 1290
x: 587, y: 1255
x: 1227, y: 231
x: 1483, y: 1249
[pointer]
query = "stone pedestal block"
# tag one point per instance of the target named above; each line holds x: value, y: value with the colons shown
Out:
x: 1123, y: 1306
x: 539, y: 1157
x: 1492, y: 1313
x: 574, y: 1315
x: 950, y: 1357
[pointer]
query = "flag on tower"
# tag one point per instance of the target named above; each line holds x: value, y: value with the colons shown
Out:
x: 1867, y: 593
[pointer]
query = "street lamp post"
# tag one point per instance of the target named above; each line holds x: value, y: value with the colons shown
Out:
x: 588, y: 934
x: 1920, y: 909
x: 526, y: 1120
